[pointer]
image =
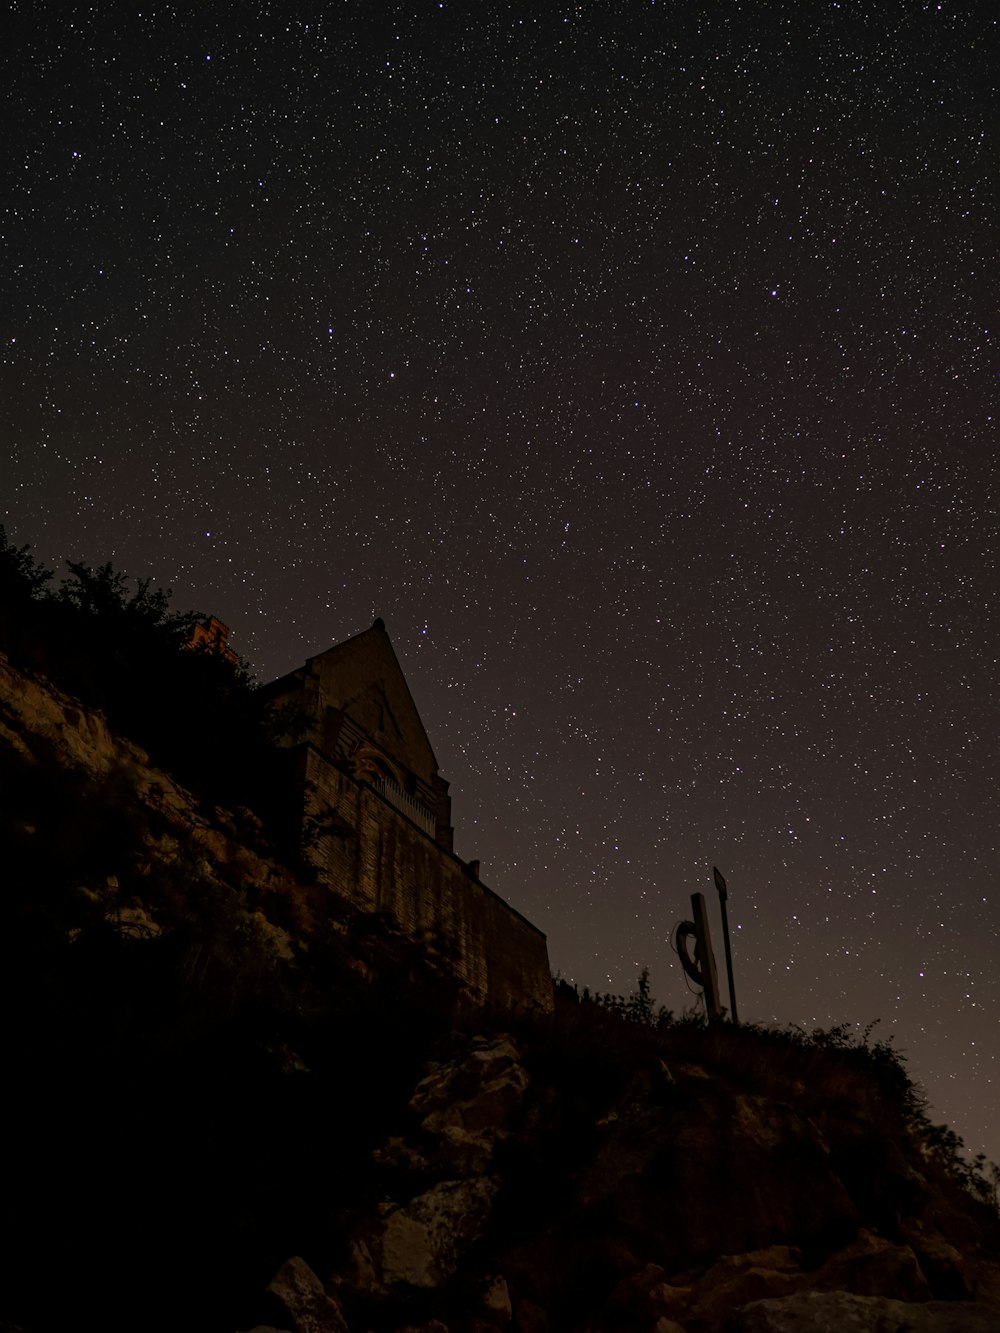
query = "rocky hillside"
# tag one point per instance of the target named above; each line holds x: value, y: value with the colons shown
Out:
x: 671, y: 1181
x: 227, y: 1111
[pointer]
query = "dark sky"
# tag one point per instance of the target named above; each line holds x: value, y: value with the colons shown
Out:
x: 636, y: 361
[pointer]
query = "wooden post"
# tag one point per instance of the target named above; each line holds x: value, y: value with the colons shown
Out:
x: 706, y: 958
x: 720, y: 884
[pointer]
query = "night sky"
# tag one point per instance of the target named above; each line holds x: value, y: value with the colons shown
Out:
x: 636, y: 362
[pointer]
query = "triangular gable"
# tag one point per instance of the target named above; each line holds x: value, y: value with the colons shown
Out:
x: 362, y: 677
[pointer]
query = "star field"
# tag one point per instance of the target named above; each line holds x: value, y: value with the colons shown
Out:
x: 637, y: 363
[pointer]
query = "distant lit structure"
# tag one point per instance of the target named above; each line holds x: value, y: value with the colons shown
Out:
x: 211, y: 636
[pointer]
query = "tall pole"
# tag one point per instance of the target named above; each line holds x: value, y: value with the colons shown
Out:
x: 706, y: 958
x: 720, y: 884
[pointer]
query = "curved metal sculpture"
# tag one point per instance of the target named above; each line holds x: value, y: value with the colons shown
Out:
x: 700, y: 968
x: 684, y: 931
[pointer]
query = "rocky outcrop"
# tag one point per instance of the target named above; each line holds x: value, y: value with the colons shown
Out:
x: 422, y: 1243
x: 720, y: 1175
x: 869, y: 1280
x: 872, y: 1266
x: 467, y: 1106
x: 47, y: 728
x: 941, y: 1263
x: 304, y: 1299
x: 844, y: 1312
x: 463, y: 1109
x: 630, y: 1247
x: 736, y: 1280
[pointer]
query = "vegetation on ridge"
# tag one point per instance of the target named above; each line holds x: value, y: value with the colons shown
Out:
x: 121, y: 649
x: 823, y: 1070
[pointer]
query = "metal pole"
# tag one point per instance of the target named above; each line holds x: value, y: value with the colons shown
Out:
x: 720, y: 884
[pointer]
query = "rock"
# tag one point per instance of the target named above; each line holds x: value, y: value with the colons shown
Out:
x: 736, y: 1279
x: 942, y: 1265
x: 530, y: 1318
x: 845, y: 1312
x: 134, y: 922
x: 882, y: 1182
x: 468, y: 1104
x: 872, y: 1266
x: 496, y: 1301
x: 669, y: 1302
x: 362, y: 1270
x: 718, y: 1294
x: 692, y: 1073
x: 460, y: 1154
x: 304, y: 1297
x: 645, y: 1296
x: 421, y: 1245
x: 664, y: 1325
x: 632, y: 1292
x: 400, y: 1155
x: 725, y: 1175
x: 777, y: 1258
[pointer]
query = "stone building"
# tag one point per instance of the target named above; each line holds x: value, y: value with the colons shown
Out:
x: 378, y: 814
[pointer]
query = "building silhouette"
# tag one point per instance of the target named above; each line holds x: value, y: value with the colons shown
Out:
x: 377, y: 821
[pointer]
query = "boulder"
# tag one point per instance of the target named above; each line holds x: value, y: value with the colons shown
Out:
x: 777, y: 1258
x: 872, y: 1266
x: 468, y: 1105
x: 421, y: 1244
x: 719, y: 1293
x: 496, y: 1301
x: 646, y: 1295
x: 669, y: 1302
x: 402, y: 1156
x: 632, y: 1292
x: 362, y: 1271
x: 845, y: 1312
x: 942, y: 1265
x: 304, y: 1297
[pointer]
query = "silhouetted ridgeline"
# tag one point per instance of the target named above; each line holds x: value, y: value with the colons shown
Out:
x: 227, y: 1111
x: 121, y: 649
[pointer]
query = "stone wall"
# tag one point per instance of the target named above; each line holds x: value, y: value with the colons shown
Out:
x: 374, y: 858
